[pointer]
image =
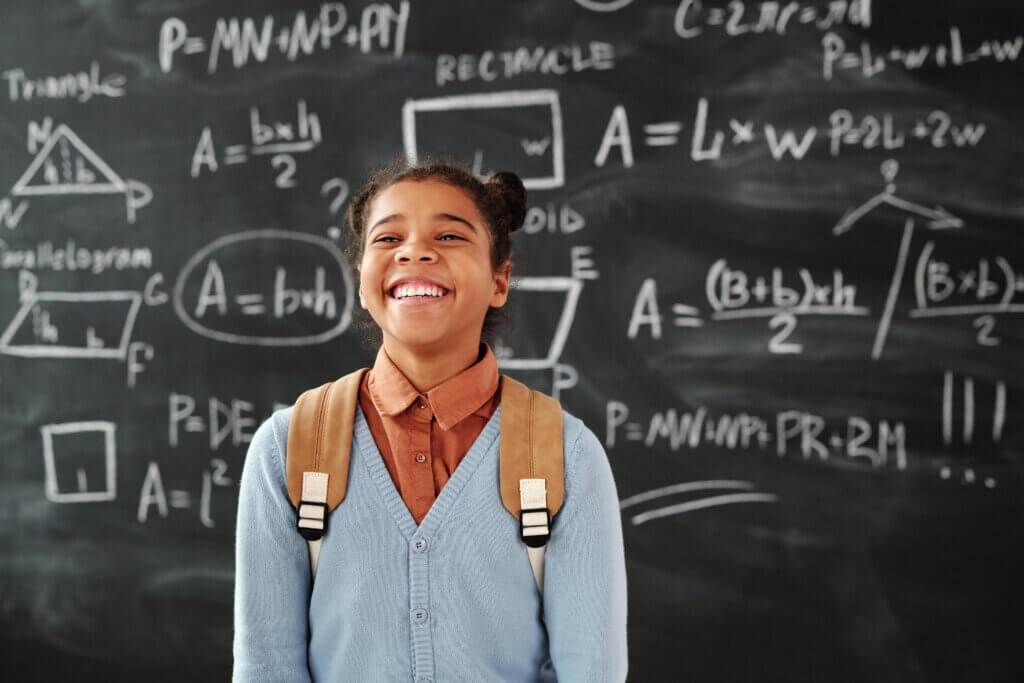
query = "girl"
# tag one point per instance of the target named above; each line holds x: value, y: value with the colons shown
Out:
x: 423, y: 576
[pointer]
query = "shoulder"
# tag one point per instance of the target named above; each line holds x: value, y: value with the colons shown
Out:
x: 573, y: 429
x: 581, y: 446
x: 268, y: 442
x: 590, y: 490
x: 275, y: 427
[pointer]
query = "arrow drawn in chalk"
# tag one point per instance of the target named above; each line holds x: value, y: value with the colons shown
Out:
x: 938, y: 218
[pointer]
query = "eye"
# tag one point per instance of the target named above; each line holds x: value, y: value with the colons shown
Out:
x: 392, y: 237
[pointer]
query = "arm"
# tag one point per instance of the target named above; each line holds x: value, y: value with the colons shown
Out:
x: 585, y: 572
x: 272, y: 579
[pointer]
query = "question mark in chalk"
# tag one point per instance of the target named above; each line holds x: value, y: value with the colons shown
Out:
x: 890, y: 167
x: 341, y: 187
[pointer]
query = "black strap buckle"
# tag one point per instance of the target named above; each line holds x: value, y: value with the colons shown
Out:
x: 312, y: 528
x: 539, y: 533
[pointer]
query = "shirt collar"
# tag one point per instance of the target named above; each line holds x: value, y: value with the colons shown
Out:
x: 451, y: 401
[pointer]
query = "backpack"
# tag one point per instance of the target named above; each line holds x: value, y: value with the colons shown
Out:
x: 530, y: 460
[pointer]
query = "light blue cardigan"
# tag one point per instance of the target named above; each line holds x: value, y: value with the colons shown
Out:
x: 450, y: 600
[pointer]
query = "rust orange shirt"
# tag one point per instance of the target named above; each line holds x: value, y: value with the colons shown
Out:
x: 423, y: 437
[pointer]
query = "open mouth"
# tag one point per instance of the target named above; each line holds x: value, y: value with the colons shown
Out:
x: 417, y: 293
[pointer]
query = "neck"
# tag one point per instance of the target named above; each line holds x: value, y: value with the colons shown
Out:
x: 425, y: 369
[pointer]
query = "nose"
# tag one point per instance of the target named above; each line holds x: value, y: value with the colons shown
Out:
x: 416, y: 249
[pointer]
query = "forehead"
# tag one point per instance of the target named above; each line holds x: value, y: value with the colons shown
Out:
x: 412, y: 197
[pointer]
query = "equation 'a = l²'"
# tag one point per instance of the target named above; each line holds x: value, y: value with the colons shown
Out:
x: 686, y: 316
x: 662, y: 134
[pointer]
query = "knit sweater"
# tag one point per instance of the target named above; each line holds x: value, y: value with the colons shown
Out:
x: 450, y: 600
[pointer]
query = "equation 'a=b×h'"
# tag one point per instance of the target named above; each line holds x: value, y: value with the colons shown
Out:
x: 969, y: 411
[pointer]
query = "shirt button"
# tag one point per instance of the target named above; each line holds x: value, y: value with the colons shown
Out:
x: 421, y: 403
x: 419, y: 545
x: 419, y: 616
x: 420, y: 457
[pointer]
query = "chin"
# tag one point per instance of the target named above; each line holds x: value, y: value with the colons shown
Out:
x: 418, y: 338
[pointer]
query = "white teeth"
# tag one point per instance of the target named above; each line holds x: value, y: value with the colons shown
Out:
x: 403, y: 291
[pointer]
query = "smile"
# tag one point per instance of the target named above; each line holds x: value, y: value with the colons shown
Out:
x: 412, y: 298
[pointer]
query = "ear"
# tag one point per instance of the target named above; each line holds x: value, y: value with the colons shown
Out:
x: 362, y: 302
x: 502, y: 276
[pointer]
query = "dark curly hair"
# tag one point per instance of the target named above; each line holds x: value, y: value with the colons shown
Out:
x: 501, y: 201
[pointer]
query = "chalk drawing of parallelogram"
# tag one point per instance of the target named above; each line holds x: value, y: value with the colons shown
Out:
x: 86, y: 317
x: 74, y: 450
x: 568, y: 290
x: 67, y: 166
x: 530, y: 142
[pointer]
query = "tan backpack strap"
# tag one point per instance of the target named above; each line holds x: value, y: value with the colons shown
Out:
x: 320, y: 436
x: 531, y: 444
x: 531, y: 465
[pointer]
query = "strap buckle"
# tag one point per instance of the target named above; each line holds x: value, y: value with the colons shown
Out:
x: 312, y: 520
x: 534, y: 527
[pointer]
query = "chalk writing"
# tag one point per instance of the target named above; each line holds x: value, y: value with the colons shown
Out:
x: 738, y: 18
x: 710, y: 141
x: 785, y: 433
x: 555, y: 60
x: 865, y: 60
x: 208, y: 304
x: 280, y: 139
x: 533, y: 145
x: 80, y: 86
x: 381, y: 26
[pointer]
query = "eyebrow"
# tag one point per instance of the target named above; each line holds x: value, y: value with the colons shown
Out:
x: 440, y: 216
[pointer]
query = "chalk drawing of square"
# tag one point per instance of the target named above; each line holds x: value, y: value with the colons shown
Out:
x: 92, y: 306
x: 564, y: 290
x: 530, y: 142
x: 79, y: 447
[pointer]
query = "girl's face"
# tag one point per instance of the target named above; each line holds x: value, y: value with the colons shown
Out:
x: 429, y: 231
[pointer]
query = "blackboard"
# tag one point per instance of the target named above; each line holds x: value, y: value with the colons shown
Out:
x: 773, y: 258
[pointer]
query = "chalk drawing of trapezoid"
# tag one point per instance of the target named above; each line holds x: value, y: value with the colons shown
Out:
x: 72, y: 325
x: 463, y: 126
x: 74, y: 450
x: 67, y: 166
x: 565, y: 289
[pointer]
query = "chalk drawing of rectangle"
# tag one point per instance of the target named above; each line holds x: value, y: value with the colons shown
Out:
x: 498, y: 100
x: 107, y: 452
x: 572, y: 288
x: 119, y: 352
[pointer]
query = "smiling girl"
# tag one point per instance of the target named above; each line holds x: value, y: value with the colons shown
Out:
x: 423, y: 576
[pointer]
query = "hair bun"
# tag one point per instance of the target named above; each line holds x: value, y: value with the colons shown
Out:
x: 509, y: 193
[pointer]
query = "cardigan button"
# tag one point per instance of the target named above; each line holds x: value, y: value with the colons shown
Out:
x: 419, y: 616
x: 419, y: 545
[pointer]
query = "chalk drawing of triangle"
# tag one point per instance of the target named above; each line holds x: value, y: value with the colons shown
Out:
x: 66, y: 165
